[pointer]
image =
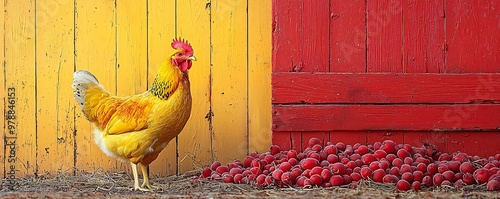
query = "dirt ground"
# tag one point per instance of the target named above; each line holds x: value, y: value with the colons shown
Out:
x: 101, y: 184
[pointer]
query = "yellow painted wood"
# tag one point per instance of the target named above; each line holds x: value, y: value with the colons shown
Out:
x: 131, y: 49
x: 193, y: 24
x: 123, y: 47
x: 259, y: 75
x: 96, y: 52
x: 20, y: 73
x: 55, y: 64
x: 161, y: 31
x: 229, y: 79
x: 3, y: 92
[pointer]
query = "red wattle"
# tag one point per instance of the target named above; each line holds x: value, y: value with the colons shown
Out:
x: 184, y: 66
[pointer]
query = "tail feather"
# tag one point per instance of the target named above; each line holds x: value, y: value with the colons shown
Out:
x: 81, y: 81
x: 96, y: 103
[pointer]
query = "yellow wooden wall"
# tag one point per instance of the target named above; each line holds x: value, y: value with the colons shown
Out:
x: 123, y: 44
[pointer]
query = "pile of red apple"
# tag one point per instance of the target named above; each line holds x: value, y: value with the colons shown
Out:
x: 339, y: 164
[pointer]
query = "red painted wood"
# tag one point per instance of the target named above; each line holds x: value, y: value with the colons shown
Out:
x: 380, y: 136
x: 315, y: 36
x: 287, y: 31
x: 483, y: 144
x: 306, y: 136
x: 348, y: 36
x: 282, y: 139
x: 423, y: 36
x: 296, y: 138
x: 393, y: 117
x: 421, y: 138
x: 402, y: 37
x: 315, y: 47
x: 472, y: 36
x: 348, y: 137
x: 384, y: 88
x: 384, y: 36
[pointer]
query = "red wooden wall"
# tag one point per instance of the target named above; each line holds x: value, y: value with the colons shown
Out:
x: 408, y: 70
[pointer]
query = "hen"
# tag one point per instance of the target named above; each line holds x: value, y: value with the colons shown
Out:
x: 136, y: 128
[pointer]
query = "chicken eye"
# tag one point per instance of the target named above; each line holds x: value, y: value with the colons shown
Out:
x: 179, y: 54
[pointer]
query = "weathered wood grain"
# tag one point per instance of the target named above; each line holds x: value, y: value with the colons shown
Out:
x: 131, y: 47
x: 384, y: 36
x: 315, y: 36
x: 349, y: 137
x: 259, y: 75
x: 323, y: 136
x: 347, y: 36
x: 483, y: 144
x: 20, y: 72
x: 287, y: 35
x: 385, y: 88
x: 423, y: 36
x: 55, y: 106
x: 282, y: 139
x: 480, y: 117
x: 161, y: 31
x: 388, y: 39
x: 472, y: 36
x: 131, y: 50
x: 195, y: 141
x: 122, y: 44
x: 95, y: 39
x: 3, y: 89
x: 229, y: 80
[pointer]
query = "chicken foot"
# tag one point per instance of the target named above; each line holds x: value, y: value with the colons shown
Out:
x: 136, y: 179
x: 146, y: 183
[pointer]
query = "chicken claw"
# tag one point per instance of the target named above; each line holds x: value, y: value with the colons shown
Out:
x: 136, y: 179
x: 149, y: 187
x: 145, y: 175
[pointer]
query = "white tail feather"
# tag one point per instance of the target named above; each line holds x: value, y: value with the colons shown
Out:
x: 81, y: 81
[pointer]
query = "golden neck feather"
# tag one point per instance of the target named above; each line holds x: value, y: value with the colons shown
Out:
x: 166, y: 80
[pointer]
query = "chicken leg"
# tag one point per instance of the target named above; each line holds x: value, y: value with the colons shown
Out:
x: 136, y: 178
x: 146, y: 183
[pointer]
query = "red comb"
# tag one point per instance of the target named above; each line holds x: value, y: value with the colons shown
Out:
x: 181, y: 43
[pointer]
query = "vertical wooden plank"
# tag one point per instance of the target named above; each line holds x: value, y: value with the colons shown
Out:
x: 131, y: 47
x: 55, y: 64
x: 282, y: 139
x: 161, y: 31
x: 95, y: 51
x: 379, y: 136
x: 349, y: 137
x: 306, y: 136
x: 472, y: 36
x: 483, y: 144
x: 229, y: 75
x: 423, y: 36
x: 347, y: 36
x: 287, y: 34
x: 20, y: 76
x: 3, y: 89
x: 314, y: 51
x: 315, y: 27
x: 131, y: 50
x: 296, y: 139
x: 315, y: 46
x: 287, y: 44
x: 419, y: 139
x: 384, y: 36
x: 195, y: 144
x: 259, y: 75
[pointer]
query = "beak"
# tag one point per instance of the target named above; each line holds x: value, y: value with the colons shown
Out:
x: 192, y: 58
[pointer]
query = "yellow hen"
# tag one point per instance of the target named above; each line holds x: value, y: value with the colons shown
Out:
x: 137, y: 128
